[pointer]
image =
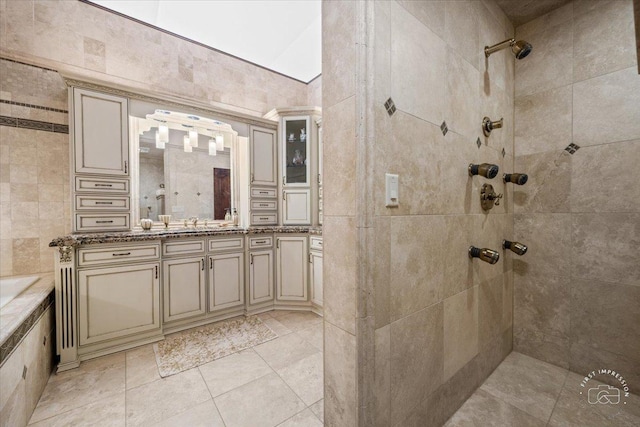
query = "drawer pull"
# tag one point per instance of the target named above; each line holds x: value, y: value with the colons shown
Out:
x: 156, y: 271
x: 263, y: 218
x: 266, y: 205
x: 103, y: 185
x: 263, y: 192
x: 202, y: 264
x: 260, y: 242
x: 104, y: 222
x: 211, y: 263
x: 123, y: 254
x: 104, y: 203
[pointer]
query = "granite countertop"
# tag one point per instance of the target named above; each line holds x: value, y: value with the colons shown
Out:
x: 173, y: 233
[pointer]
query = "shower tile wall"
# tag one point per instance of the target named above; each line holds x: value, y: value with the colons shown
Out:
x: 428, y: 323
x: 577, y: 290
x: 93, y: 43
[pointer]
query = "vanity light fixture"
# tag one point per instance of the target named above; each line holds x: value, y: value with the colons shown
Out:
x: 212, y: 147
x: 193, y: 137
x: 164, y: 133
x: 159, y: 142
x: 219, y: 143
x: 187, y: 144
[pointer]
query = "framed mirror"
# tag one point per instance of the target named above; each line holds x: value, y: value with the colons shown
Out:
x: 183, y: 164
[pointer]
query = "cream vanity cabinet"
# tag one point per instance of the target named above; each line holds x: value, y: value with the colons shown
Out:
x: 291, y: 269
x: 183, y: 279
x: 263, y: 176
x: 315, y: 273
x: 226, y: 273
x: 260, y: 289
x: 100, y: 153
x: 118, y: 294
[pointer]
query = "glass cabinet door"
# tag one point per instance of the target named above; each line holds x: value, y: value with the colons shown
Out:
x: 296, y: 150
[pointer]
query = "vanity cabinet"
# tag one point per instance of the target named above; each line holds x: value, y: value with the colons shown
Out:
x: 263, y: 176
x: 291, y: 268
x: 226, y: 281
x: 296, y: 206
x: 260, y: 286
x: 118, y: 294
x: 100, y: 153
x: 184, y: 288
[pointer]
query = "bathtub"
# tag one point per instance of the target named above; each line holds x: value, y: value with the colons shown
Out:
x: 11, y: 287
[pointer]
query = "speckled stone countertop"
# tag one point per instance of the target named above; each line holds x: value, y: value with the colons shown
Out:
x: 175, y: 233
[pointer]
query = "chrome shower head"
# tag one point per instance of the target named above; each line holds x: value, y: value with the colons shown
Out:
x: 519, y: 48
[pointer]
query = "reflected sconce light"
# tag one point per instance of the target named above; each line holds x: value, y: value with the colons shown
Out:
x: 187, y: 144
x: 159, y: 142
x: 212, y: 147
x: 219, y: 143
x: 193, y: 137
x: 163, y: 130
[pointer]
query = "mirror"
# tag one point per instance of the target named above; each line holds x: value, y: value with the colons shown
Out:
x: 182, y: 164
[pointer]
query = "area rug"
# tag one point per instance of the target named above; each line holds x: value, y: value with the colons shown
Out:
x: 195, y: 347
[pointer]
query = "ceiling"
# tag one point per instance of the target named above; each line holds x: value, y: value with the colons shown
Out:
x: 283, y: 36
x: 522, y: 11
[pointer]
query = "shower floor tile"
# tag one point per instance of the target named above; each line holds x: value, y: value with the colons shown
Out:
x: 524, y: 391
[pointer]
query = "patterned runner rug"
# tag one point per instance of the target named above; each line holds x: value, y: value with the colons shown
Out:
x: 195, y: 347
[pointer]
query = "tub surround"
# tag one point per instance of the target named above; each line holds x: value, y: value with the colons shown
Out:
x: 141, y: 236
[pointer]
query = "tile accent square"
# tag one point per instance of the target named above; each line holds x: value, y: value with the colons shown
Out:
x: 444, y: 128
x: 478, y: 142
x: 572, y: 148
x: 390, y: 107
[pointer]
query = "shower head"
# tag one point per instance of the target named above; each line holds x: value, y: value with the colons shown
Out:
x: 519, y: 48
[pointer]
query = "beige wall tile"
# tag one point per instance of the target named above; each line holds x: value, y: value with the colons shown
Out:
x: 541, y: 304
x: 340, y: 272
x: 24, y: 193
x: 605, y: 316
x: 604, y: 247
x: 604, y: 178
x: 418, y: 59
x: 490, y: 306
x: 603, y: 40
x: 26, y: 256
x: 549, y: 65
x: 340, y: 159
x: 430, y: 13
x: 458, y: 15
x: 416, y: 274
x: 548, y: 188
x: 382, y: 271
x: 607, y: 108
x: 585, y: 358
x: 460, y: 330
x: 339, y: 51
x: 543, y: 347
x: 543, y: 121
x: 23, y: 173
x: 548, y: 237
x: 462, y: 96
x: 6, y: 260
x: 416, y: 359
x: 339, y: 377
x: 383, y: 376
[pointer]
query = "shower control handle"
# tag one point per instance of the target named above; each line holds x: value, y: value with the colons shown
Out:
x: 488, y: 125
x: 488, y: 197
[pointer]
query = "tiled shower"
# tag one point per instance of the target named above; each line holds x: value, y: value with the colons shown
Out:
x: 419, y: 325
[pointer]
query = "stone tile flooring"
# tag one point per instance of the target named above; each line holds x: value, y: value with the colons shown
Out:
x: 524, y: 392
x: 278, y: 383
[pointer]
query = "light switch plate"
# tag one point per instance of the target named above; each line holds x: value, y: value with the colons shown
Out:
x: 392, y: 197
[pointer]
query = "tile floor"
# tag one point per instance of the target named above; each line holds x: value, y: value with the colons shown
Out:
x: 278, y: 383
x: 526, y: 392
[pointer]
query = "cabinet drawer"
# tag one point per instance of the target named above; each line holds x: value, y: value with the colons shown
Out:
x: 260, y: 242
x: 219, y: 245
x: 102, y: 222
x: 315, y: 243
x: 111, y: 255
x: 105, y: 203
x: 267, y: 218
x: 183, y: 247
x: 263, y: 205
x: 101, y: 185
x: 268, y: 193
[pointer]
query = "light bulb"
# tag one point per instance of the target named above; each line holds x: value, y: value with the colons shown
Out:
x: 193, y: 137
x: 219, y: 143
x: 187, y: 144
x: 212, y: 147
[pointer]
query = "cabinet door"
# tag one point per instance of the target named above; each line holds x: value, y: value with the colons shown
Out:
x: 226, y: 281
x: 291, y: 268
x: 118, y: 301
x: 316, y: 277
x: 260, y: 276
x: 100, y: 131
x: 183, y: 286
x: 297, y: 207
x: 296, y: 165
x: 263, y: 157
